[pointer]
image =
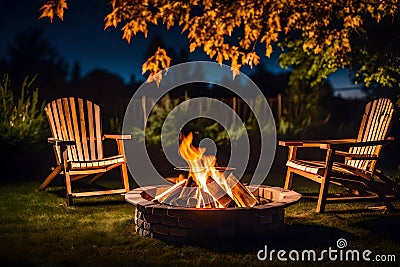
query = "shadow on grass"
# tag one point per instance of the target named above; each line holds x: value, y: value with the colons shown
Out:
x: 368, y: 205
x: 387, y: 227
x: 93, y: 201
x: 288, y: 237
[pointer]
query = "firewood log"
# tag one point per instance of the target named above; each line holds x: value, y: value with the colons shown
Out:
x: 218, y: 193
x: 161, y: 197
x: 240, y: 194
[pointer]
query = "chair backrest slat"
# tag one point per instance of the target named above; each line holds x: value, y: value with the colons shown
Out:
x: 83, y: 129
x: 77, y: 134
x: 91, y: 130
x: 59, y: 134
x: 53, y: 128
x: 363, y: 133
x: 366, y: 133
x: 56, y: 118
x: 63, y: 125
x: 70, y: 131
x: 78, y: 120
x: 98, y: 131
x: 375, y: 126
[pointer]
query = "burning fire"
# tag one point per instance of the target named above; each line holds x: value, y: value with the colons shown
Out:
x: 205, y: 186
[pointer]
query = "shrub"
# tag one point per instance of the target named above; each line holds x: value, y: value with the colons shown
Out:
x: 306, y: 113
x: 115, y: 125
x: 204, y: 127
x: 22, y: 120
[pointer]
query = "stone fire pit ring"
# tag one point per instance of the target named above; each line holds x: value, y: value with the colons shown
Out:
x: 194, y: 225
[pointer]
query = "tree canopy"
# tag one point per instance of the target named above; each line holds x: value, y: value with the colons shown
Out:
x: 328, y: 34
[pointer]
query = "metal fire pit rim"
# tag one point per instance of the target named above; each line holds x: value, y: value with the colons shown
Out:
x: 189, y: 169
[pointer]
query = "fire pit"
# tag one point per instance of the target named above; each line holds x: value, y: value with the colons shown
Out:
x: 207, y: 203
x: 194, y: 225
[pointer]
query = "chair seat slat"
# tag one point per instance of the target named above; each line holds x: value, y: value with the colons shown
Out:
x: 97, y: 163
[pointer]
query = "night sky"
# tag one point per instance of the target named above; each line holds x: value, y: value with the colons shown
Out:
x: 81, y: 38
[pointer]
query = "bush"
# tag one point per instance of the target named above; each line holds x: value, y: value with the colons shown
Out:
x: 22, y: 120
x: 203, y: 127
x: 115, y: 125
x: 306, y: 114
x: 159, y: 113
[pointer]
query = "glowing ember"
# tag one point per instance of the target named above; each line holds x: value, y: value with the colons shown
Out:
x: 205, y: 186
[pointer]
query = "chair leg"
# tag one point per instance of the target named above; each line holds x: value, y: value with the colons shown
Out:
x: 288, y: 180
x: 289, y: 174
x: 323, y: 191
x: 51, y: 177
x: 124, y: 169
x: 70, y: 201
x: 124, y: 174
x: 386, y: 201
x: 381, y: 192
x: 395, y: 187
x: 68, y: 186
x: 68, y: 189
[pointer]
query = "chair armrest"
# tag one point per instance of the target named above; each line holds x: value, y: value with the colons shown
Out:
x: 118, y: 139
x: 59, y: 142
x: 118, y: 136
x: 346, y: 145
x: 314, y: 143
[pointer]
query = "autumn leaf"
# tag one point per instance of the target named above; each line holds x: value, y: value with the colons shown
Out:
x: 352, y: 22
x: 235, y: 69
x: 156, y: 64
x: 53, y: 7
x: 192, y: 47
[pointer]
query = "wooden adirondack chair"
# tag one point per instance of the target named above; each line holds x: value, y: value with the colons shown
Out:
x: 356, y: 168
x: 77, y: 141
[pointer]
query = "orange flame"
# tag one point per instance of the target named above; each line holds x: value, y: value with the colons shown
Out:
x: 202, y: 167
x: 189, y: 152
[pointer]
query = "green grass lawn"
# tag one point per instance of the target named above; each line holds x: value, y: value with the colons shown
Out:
x: 37, y: 228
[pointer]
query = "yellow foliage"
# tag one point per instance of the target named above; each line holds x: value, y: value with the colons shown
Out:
x: 268, y: 50
x: 324, y: 25
x: 192, y: 47
x: 156, y: 64
x: 53, y: 7
x: 352, y: 22
x: 235, y: 70
x: 111, y: 20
